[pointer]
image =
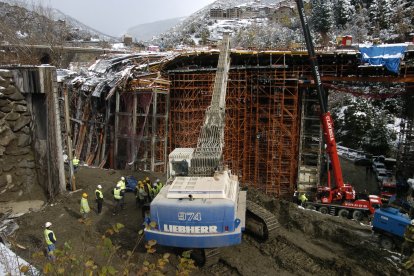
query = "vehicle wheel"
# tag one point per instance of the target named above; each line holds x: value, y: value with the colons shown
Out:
x: 357, y: 215
x: 343, y: 213
x: 386, y: 243
x: 324, y: 210
x: 310, y: 207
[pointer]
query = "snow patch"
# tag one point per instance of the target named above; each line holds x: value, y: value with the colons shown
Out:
x: 118, y: 46
x: 10, y: 263
x: 360, y: 114
x: 21, y: 34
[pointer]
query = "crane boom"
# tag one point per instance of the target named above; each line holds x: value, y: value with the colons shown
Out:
x: 326, y: 118
x: 208, y: 154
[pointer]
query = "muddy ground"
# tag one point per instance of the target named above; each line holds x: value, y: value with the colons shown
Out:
x: 306, y: 243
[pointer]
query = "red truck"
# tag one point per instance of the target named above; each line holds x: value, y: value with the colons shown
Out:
x: 341, y: 200
x: 388, y: 188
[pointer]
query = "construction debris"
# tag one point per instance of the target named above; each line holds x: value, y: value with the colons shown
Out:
x: 113, y: 131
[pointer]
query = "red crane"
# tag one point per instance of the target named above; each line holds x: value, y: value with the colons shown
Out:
x: 343, y: 196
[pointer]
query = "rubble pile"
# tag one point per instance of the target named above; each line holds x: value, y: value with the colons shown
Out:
x: 17, y: 162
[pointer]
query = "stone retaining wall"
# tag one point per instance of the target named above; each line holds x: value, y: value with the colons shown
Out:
x: 17, y: 162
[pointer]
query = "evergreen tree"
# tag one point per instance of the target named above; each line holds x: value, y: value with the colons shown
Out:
x: 358, y: 25
x: 354, y: 123
x: 378, y: 137
x: 380, y: 12
x: 322, y: 17
x: 401, y: 19
x: 363, y: 123
x: 343, y: 12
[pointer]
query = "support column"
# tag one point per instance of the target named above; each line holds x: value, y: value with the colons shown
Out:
x: 55, y: 117
x: 72, y: 179
x: 153, y: 129
x: 116, y: 130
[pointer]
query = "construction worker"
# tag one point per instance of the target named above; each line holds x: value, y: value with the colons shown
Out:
x: 123, y: 188
x: 150, y: 191
x: 122, y: 182
x: 137, y: 200
x: 303, y: 199
x: 50, y: 240
x: 118, y: 195
x: 154, y: 189
x: 295, y: 197
x: 147, y: 198
x: 99, y: 198
x: 75, y: 163
x: 159, y: 185
x: 84, y: 206
x: 408, y: 244
x: 142, y: 195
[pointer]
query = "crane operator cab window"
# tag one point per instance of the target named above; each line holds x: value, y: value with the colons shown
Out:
x: 180, y: 167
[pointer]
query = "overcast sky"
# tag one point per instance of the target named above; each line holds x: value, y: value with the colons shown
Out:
x: 114, y: 17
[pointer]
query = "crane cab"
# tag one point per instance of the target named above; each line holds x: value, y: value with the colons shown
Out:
x: 179, y: 162
x: 199, y: 212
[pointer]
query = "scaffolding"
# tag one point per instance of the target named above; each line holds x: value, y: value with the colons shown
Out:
x: 261, y: 133
x: 272, y: 126
x: 310, y: 144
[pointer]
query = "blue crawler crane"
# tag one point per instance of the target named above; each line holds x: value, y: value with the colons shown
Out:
x: 202, y: 207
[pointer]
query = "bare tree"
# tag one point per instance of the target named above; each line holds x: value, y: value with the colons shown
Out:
x: 25, y: 25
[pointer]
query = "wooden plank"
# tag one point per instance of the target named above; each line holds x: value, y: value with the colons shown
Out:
x: 98, y: 151
x: 77, y: 116
x: 90, y: 135
x: 82, y: 132
x: 107, y: 115
x: 115, y: 153
x: 103, y: 162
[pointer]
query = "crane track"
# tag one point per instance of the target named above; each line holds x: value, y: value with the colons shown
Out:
x: 261, y: 218
x: 260, y: 221
x: 212, y: 256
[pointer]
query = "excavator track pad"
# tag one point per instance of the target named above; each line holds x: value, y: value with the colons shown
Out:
x: 260, y: 222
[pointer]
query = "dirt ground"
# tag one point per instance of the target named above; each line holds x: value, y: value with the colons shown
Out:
x: 306, y: 243
x: 358, y: 177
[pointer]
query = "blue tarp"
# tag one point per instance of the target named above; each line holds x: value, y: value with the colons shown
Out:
x: 131, y: 183
x: 388, y: 55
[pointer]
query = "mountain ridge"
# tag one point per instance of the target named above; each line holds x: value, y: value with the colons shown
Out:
x: 146, y: 31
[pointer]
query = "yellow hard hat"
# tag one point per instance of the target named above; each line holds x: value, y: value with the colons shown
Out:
x: 147, y: 178
x: 140, y: 182
x: 85, y: 195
